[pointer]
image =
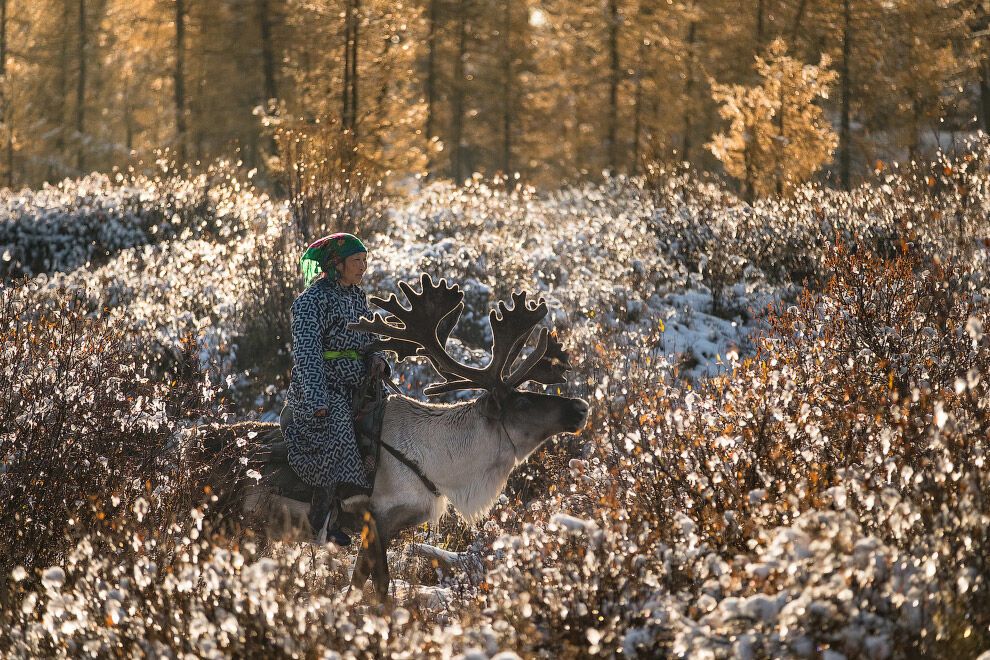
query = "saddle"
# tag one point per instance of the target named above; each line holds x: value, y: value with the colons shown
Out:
x: 368, y: 411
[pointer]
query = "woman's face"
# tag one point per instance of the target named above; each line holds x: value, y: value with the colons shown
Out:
x: 352, y: 269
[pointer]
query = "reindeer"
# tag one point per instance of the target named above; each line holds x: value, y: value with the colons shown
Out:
x: 463, y: 453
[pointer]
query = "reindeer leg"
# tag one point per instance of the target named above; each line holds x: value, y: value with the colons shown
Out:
x: 372, y: 560
x: 381, y: 577
x: 363, y: 566
x: 367, y: 560
x: 375, y: 546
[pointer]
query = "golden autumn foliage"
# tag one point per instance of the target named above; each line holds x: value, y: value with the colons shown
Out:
x: 549, y: 90
x: 778, y: 137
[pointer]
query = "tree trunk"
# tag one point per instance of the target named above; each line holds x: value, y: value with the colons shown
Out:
x: 128, y: 118
x: 688, y: 92
x: 750, y: 181
x: 798, y: 17
x: 5, y: 114
x: 81, y: 89
x: 345, y: 99
x: 267, y: 49
x: 457, y: 107
x: 431, y: 83
x: 781, y: 143
x: 844, y: 130
x: 644, y: 15
x: 507, y: 91
x: 381, y: 100
x: 268, y: 66
x: 356, y: 18
x: 985, y: 92
x: 350, y: 97
x: 917, y: 117
x: 179, y: 80
x: 63, y: 94
x: 613, y: 86
x: 760, y: 27
x: 637, y: 115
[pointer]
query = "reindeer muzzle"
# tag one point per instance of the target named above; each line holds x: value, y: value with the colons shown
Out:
x: 575, y: 415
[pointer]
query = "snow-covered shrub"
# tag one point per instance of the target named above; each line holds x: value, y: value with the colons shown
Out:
x: 855, y: 403
x: 935, y: 210
x: 267, y: 283
x: 823, y: 494
x: 86, y: 428
x: 90, y: 220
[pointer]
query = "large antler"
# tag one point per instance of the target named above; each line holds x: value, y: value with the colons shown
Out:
x: 423, y: 329
x: 436, y: 309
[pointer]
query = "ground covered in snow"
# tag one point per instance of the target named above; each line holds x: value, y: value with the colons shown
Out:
x: 785, y: 455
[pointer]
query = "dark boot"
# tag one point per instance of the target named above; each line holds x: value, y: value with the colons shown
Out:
x: 320, y: 507
x: 324, y: 513
x: 337, y: 536
x: 335, y: 532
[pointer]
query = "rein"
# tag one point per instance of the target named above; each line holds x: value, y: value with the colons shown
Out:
x: 409, y: 463
x: 515, y: 450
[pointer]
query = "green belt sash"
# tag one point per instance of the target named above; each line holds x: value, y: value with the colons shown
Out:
x: 334, y: 355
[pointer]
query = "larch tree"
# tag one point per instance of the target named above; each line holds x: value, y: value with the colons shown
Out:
x: 924, y: 40
x: 179, y: 79
x: 356, y: 73
x: 458, y: 91
x: 552, y: 89
x: 6, y: 132
x: 778, y: 137
x: 498, y: 70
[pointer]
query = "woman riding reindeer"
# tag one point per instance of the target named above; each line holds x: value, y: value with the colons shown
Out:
x: 329, y: 363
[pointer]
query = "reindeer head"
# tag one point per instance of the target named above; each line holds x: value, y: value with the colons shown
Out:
x: 424, y: 327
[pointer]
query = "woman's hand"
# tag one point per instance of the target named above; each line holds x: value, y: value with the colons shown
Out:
x: 320, y: 412
x: 379, y: 367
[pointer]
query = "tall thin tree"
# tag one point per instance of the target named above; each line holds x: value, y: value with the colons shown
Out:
x: 760, y: 24
x: 55, y: 165
x: 507, y: 90
x: 644, y: 15
x: 268, y: 65
x: 179, y: 80
x: 692, y: 36
x: 349, y: 99
x: 984, y: 67
x: 81, y: 87
x: 845, y: 133
x: 355, y: 40
x: 614, y: 79
x: 798, y: 17
x: 267, y: 49
x: 5, y: 114
x: 457, y: 100
x: 431, y: 81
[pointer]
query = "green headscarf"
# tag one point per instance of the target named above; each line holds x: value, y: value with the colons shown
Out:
x: 328, y: 251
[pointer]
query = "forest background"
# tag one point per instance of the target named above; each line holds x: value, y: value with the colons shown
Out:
x: 546, y: 91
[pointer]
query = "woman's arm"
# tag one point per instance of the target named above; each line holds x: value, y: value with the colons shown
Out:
x: 377, y: 362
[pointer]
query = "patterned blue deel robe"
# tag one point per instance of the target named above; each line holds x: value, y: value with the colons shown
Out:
x: 323, y: 450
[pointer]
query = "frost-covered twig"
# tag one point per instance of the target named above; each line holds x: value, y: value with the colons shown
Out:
x: 450, y: 563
